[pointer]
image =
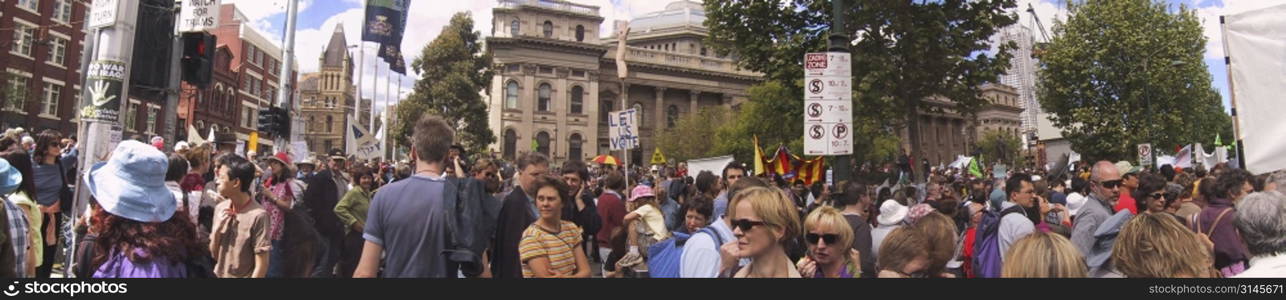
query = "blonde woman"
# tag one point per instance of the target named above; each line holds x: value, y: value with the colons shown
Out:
x: 830, y: 246
x: 763, y: 222
x: 1158, y: 246
x: 1044, y: 255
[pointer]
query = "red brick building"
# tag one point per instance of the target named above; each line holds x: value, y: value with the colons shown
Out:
x: 41, y: 56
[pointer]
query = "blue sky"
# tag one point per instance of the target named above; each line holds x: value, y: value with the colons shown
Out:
x: 318, y: 19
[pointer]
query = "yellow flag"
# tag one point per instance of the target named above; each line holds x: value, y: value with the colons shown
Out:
x: 759, y: 158
x: 253, y: 144
x: 657, y: 157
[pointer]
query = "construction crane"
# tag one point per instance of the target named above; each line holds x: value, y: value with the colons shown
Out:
x: 1039, y: 48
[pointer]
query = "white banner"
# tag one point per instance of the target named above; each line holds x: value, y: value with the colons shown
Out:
x: 624, y: 129
x: 199, y: 15
x: 361, y: 143
x: 1255, y: 42
x: 713, y: 164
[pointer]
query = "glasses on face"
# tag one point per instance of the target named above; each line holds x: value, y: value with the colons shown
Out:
x: 1157, y: 196
x: 1110, y: 184
x: 829, y: 238
x: 746, y: 225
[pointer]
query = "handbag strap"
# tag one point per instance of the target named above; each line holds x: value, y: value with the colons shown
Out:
x: 1217, y: 219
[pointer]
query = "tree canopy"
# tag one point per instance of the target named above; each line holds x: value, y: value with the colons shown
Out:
x: 454, y: 70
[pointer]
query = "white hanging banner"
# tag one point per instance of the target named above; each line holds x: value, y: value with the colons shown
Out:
x: 1255, y: 43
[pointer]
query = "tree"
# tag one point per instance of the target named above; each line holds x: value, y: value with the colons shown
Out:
x: 1125, y: 72
x: 904, y: 51
x: 453, y: 70
x: 996, y: 146
x: 691, y: 135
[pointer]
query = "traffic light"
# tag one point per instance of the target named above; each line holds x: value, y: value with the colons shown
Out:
x: 267, y: 121
x: 198, y: 58
x: 274, y: 121
x: 282, y: 122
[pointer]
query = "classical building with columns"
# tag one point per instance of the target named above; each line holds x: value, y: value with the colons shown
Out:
x: 555, y: 77
x: 948, y: 133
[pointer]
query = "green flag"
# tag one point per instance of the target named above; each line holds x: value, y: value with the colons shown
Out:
x: 1217, y: 141
x: 974, y: 168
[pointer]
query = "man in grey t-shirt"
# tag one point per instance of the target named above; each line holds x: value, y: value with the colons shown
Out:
x: 407, y: 220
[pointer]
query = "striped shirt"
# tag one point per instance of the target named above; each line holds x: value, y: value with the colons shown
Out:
x: 557, y: 247
x: 19, y: 233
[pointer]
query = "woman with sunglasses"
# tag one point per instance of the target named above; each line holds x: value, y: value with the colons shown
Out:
x: 1152, y: 198
x: 830, y: 246
x: 764, y: 221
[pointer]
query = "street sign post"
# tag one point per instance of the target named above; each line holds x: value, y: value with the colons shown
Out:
x: 828, y: 103
x: 199, y: 15
x: 1145, y: 155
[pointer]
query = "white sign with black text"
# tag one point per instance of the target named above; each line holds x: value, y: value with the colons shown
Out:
x: 624, y: 127
x: 199, y: 15
x: 103, y: 13
x: 828, y: 103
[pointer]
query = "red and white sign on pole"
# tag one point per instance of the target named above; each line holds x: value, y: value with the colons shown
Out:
x: 828, y: 103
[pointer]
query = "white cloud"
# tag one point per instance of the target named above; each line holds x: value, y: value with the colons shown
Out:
x: 1210, y: 21
x: 1047, y: 12
x: 260, y: 11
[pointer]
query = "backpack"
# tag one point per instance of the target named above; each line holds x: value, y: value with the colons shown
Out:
x: 666, y: 256
x: 986, y: 248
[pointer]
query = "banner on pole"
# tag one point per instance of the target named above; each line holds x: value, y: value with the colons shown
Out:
x: 106, y: 82
x: 624, y: 128
x: 1253, y: 45
x: 199, y: 15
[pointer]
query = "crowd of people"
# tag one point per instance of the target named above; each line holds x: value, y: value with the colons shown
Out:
x: 204, y: 211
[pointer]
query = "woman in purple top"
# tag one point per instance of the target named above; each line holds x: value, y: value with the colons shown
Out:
x: 830, y: 246
x: 139, y: 235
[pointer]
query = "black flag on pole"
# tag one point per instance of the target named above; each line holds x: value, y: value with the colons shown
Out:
x: 383, y: 21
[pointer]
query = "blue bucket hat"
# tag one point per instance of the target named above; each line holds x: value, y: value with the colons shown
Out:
x: 131, y: 184
x: 9, y: 177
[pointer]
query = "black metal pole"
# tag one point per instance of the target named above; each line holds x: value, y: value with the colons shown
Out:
x: 838, y: 41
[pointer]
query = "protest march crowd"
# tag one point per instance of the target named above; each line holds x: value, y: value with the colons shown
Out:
x: 194, y: 212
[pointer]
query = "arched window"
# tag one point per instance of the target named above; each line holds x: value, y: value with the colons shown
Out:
x: 542, y: 143
x: 578, y: 99
x: 549, y: 29
x: 574, y: 147
x: 330, y: 123
x: 546, y: 94
x: 580, y: 33
x: 640, y: 113
x: 513, y: 28
x: 511, y: 95
x: 605, y: 107
x: 511, y: 141
x: 671, y: 116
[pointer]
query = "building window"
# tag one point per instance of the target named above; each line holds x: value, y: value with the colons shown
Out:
x: 574, y: 147
x: 545, y: 97
x: 703, y: 51
x: 513, y: 28
x: 58, y: 51
x: 513, y: 68
x: 245, y: 83
x: 671, y: 116
x: 580, y: 33
x: 24, y: 35
x: 62, y: 11
x: 32, y: 5
x: 152, y: 112
x: 53, y: 92
x: 130, y: 111
x: 328, y: 144
x: 549, y: 29
x: 542, y: 143
x: 604, y: 110
x: 17, y: 93
x: 638, y: 111
x: 511, y: 141
x: 330, y: 125
x: 511, y: 95
x: 258, y: 57
x: 578, y: 99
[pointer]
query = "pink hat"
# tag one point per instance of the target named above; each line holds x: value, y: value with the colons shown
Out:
x: 918, y: 211
x: 640, y: 192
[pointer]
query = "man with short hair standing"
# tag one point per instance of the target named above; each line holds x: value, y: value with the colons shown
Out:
x: 516, y: 214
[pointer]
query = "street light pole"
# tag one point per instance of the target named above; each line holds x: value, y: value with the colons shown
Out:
x: 838, y: 41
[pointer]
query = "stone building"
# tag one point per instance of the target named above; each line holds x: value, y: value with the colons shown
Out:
x: 328, y: 96
x: 556, y: 79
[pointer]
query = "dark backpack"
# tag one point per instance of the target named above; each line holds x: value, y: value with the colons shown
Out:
x: 986, y: 248
x: 667, y: 256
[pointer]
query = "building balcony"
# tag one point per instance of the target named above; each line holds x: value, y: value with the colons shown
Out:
x: 552, y: 4
x: 681, y: 61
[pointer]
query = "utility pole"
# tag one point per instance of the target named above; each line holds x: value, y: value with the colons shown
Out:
x: 175, y: 88
x: 838, y: 42
x: 105, y: 89
x: 284, y: 92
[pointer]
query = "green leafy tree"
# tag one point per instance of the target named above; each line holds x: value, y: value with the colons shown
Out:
x: 903, y: 52
x: 1125, y: 72
x: 453, y: 70
x: 691, y: 135
x: 997, y: 146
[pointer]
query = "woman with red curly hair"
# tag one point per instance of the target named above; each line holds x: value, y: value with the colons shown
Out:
x: 139, y: 235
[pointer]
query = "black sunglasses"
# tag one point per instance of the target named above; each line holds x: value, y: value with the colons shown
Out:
x: 829, y: 239
x: 1156, y: 196
x: 1111, y: 184
x: 746, y: 225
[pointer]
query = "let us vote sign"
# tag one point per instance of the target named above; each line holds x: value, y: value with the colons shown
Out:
x: 623, y: 129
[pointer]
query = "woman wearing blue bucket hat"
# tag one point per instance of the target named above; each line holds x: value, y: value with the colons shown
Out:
x: 139, y: 237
